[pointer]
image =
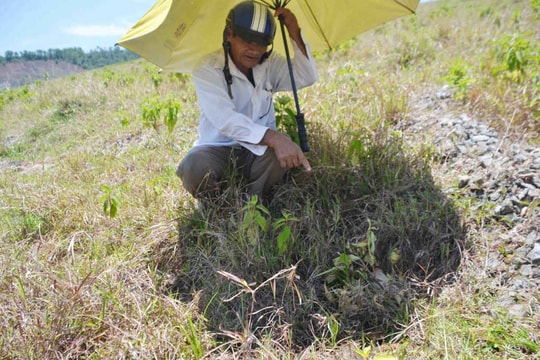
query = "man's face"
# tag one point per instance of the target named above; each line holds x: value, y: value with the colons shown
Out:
x: 245, y: 55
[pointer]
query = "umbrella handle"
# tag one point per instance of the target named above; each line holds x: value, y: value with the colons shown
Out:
x: 302, y: 134
x: 300, y: 123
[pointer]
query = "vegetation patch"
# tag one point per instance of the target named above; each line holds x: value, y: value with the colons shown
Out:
x: 390, y: 248
x: 341, y: 252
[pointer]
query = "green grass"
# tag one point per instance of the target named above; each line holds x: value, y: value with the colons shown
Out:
x: 370, y: 251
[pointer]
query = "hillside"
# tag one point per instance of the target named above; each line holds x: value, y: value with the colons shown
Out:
x: 21, y: 73
x: 416, y: 235
x: 17, y: 69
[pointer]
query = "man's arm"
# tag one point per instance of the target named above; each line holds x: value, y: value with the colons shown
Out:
x: 290, y: 22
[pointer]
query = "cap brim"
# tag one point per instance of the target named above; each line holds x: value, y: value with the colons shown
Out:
x: 253, y: 37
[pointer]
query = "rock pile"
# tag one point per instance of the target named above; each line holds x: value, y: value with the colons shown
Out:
x: 503, y: 178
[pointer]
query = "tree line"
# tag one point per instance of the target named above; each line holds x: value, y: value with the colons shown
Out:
x: 76, y: 56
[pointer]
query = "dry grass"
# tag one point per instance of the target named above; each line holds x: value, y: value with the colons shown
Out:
x: 368, y: 250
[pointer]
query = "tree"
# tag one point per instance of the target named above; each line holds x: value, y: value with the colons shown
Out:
x: 76, y: 56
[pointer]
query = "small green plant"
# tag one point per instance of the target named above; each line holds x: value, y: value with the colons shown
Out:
x: 349, y: 265
x: 26, y: 225
x: 123, y: 117
x: 535, y: 5
x: 366, y: 353
x: 358, y: 149
x: 459, y: 79
x: 157, y: 79
x: 333, y: 328
x: 285, y: 117
x: 108, y: 76
x: 515, y: 54
x: 172, y: 108
x: 12, y: 151
x: 152, y: 109
x: 110, y: 202
x: 191, y: 331
x: 67, y: 109
x: 343, y: 272
x: 254, y: 214
x: 6, y: 96
x: 33, y: 224
x: 151, y: 112
x: 285, y: 236
x: 366, y: 248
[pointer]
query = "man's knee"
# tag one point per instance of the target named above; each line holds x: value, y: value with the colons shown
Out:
x: 266, y: 171
x: 203, y: 168
x: 196, y: 173
x: 271, y: 162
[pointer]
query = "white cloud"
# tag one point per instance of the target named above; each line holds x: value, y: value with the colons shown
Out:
x: 96, y: 30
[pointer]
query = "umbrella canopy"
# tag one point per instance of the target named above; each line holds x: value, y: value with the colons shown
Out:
x: 175, y: 34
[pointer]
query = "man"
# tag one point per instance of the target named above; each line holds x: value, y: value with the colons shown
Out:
x: 234, y: 89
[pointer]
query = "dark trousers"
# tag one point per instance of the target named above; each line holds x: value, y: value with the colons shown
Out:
x: 204, y: 168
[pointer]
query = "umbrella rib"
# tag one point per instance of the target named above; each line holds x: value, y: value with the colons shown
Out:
x: 405, y: 6
x: 275, y: 4
x: 321, y: 31
x: 282, y: 3
x: 271, y: 6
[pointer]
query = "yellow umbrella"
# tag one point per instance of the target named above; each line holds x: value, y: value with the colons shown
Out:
x: 175, y: 34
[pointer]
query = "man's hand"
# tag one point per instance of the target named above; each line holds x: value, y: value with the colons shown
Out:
x: 291, y: 23
x: 288, y: 153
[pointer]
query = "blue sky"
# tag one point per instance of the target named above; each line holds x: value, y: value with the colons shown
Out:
x: 57, y: 24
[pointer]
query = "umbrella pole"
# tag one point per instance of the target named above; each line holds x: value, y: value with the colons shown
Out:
x: 300, y: 123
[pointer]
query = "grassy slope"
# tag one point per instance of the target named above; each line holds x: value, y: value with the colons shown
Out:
x: 76, y: 281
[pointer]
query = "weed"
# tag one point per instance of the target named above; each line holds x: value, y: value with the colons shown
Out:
x: 13, y: 151
x: 191, y: 331
x: 152, y: 109
x: 286, y: 117
x: 459, y: 79
x: 254, y: 221
x: 157, y: 79
x: 285, y: 238
x: 23, y: 94
x: 111, y: 77
x: 34, y: 225
x: 343, y: 273
x: 367, y: 353
x: 110, y: 201
x: 151, y: 112
x: 67, y: 109
x: 172, y: 107
x: 535, y: 5
x: 515, y: 54
x: 123, y: 117
x: 383, y: 255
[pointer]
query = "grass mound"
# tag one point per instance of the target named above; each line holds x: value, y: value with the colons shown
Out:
x: 340, y: 252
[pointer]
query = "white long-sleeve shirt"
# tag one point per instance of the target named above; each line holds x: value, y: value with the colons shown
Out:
x: 244, y: 119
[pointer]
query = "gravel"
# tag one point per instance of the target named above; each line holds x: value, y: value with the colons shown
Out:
x: 502, y: 176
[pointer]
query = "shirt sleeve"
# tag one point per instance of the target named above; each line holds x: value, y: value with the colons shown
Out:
x: 304, y: 68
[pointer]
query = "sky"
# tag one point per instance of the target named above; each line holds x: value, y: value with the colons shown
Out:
x: 58, y: 24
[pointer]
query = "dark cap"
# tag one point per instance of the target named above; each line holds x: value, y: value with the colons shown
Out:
x: 253, y: 22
